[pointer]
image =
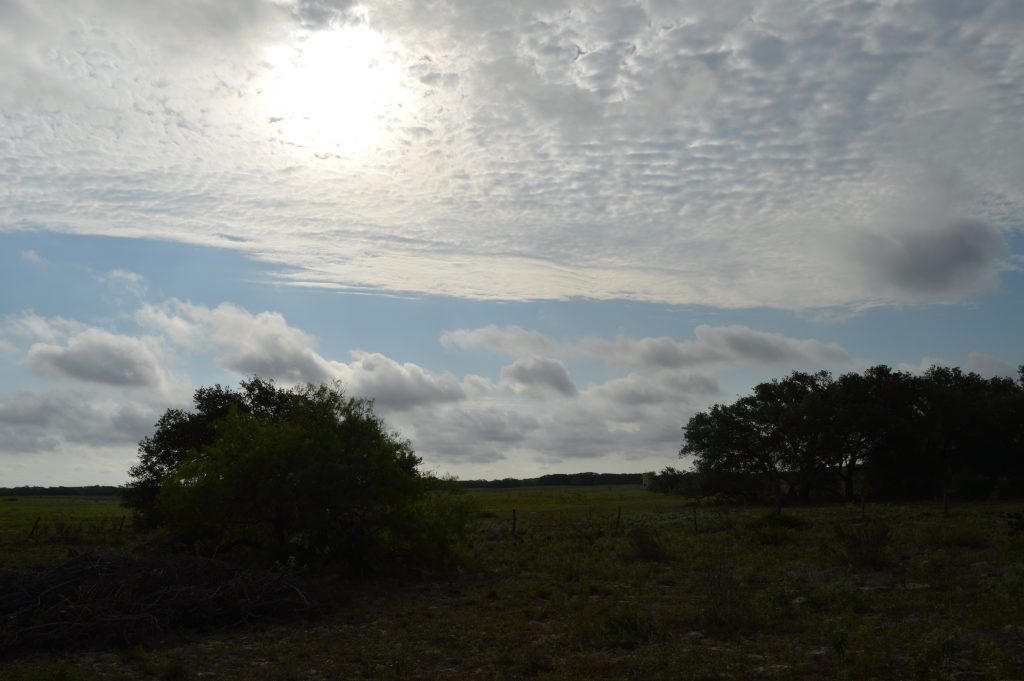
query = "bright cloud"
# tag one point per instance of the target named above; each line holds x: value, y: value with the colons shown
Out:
x: 723, y: 154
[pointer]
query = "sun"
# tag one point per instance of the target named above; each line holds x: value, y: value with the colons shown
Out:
x: 335, y: 91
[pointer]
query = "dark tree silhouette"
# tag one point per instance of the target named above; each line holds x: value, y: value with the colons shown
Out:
x: 895, y: 434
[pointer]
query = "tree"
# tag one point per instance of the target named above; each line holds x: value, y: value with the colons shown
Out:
x: 777, y: 433
x: 871, y: 417
x: 904, y: 436
x: 179, y: 432
x: 306, y: 475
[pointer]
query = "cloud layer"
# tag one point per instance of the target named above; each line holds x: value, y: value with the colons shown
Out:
x: 746, y: 153
x: 548, y: 403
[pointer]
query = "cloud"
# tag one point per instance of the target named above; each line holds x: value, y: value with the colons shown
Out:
x: 990, y: 367
x: 32, y: 258
x: 536, y: 376
x: 721, y: 155
x: 261, y: 344
x: 508, y: 340
x: 31, y: 326
x: 96, y: 356
x: 32, y: 422
x: 265, y: 344
x: 131, y: 282
x: 394, y: 386
x: 712, y: 346
x: 957, y: 258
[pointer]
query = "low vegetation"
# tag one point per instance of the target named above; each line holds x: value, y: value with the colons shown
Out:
x: 582, y: 591
x: 287, y: 534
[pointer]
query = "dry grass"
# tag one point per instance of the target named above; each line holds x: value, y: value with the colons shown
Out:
x: 566, y: 597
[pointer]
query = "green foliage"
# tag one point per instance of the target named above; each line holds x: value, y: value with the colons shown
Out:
x: 865, y: 545
x: 888, y: 434
x: 313, y: 478
x: 643, y: 544
x: 44, y: 672
x: 1016, y: 522
x: 956, y: 536
x: 836, y: 598
x: 775, y: 529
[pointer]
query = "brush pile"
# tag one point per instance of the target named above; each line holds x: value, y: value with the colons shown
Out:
x: 93, y: 600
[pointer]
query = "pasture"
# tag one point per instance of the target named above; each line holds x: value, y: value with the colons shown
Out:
x: 583, y: 589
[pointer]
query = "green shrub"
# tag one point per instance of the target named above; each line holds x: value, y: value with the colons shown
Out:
x: 865, y: 545
x: 782, y: 520
x: 1016, y: 522
x: 835, y: 598
x: 723, y: 606
x: 957, y: 536
x: 44, y: 672
x: 775, y: 529
x: 322, y: 483
x: 643, y: 545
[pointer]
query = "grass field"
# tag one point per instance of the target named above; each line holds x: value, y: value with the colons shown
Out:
x: 581, y: 592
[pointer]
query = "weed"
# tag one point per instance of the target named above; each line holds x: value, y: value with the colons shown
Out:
x: 723, y: 607
x: 835, y: 598
x: 44, y: 672
x: 784, y: 520
x: 932, y: 651
x: 643, y: 545
x: 629, y: 629
x: 865, y: 546
x: 958, y: 536
x: 775, y: 529
x: 1016, y: 522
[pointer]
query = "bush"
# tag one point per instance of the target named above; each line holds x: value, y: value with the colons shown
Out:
x: 865, y: 545
x: 644, y: 545
x: 319, y: 481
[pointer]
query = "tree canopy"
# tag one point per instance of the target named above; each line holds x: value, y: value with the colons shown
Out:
x: 889, y: 432
x: 305, y: 474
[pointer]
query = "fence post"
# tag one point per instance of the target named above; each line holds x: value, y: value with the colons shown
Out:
x: 618, y: 519
x: 34, y: 526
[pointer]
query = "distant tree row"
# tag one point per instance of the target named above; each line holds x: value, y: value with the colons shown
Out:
x: 888, y: 434
x: 558, y: 480
x: 36, y: 491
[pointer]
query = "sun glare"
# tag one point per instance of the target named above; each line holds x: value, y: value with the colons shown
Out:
x: 336, y: 91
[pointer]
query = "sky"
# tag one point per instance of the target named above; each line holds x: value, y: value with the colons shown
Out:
x: 541, y: 235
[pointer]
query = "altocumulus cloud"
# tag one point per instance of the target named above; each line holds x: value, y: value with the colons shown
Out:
x: 686, y: 152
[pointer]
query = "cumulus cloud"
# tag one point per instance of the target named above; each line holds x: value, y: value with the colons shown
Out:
x: 97, y: 356
x: 31, y: 326
x: 990, y: 367
x: 32, y: 422
x: 265, y: 344
x: 394, y: 386
x: 536, y: 376
x: 262, y: 344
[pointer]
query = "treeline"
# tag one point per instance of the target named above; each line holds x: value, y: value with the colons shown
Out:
x: 35, y: 491
x: 882, y: 433
x: 559, y: 480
